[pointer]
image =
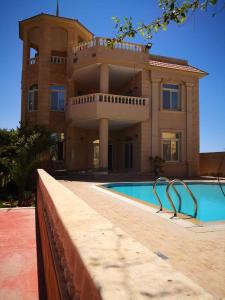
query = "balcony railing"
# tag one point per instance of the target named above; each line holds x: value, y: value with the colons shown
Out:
x: 58, y: 59
x: 101, y: 41
x: 53, y: 60
x: 110, y: 98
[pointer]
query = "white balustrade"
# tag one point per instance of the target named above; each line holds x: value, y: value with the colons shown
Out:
x: 100, y: 41
x: 109, y: 98
x: 58, y: 59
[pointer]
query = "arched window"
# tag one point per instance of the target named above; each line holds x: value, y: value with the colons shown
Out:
x: 32, y: 98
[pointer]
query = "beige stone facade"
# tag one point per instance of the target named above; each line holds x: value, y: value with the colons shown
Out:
x: 111, y: 108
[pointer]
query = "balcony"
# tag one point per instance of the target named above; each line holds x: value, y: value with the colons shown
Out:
x: 98, y: 49
x: 85, y: 110
x: 104, y: 42
x: 52, y: 60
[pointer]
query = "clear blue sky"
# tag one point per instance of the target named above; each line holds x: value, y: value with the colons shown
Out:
x: 201, y: 40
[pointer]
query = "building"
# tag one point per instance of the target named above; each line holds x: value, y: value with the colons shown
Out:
x: 110, y: 108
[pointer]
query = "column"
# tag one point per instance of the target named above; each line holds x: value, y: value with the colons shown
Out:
x: 44, y: 76
x: 72, y: 42
x: 189, y: 89
x: 145, y: 147
x: 24, y: 85
x: 145, y: 84
x: 103, y: 143
x: 155, y: 116
x: 104, y: 78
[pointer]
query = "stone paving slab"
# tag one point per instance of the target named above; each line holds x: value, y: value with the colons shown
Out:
x: 18, y: 255
x: 200, y: 256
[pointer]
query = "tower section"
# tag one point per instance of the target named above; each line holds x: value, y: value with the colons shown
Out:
x: 47, y: 50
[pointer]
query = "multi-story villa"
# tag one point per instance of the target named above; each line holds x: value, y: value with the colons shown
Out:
x: 110, y: 108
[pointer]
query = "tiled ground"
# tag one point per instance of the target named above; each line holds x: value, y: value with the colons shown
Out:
x: 199, y: 253
x: 19, y: 278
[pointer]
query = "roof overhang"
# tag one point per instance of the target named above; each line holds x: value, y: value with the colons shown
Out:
x: 41, y: 15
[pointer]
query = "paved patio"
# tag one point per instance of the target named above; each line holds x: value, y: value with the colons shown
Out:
x: 21, y: 276
x: 197, y: 252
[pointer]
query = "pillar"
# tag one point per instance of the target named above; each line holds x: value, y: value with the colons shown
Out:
x: 24, y: 85
x: 44, y: 76
x: 72, y: 42
x: 145, y: 86
x: 189, y: 89
x: 103, y: 143
x: 155, y: 116
x: 145, y: 146
x: 104, y: 79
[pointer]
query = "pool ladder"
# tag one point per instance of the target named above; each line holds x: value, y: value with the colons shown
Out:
x: 170, y: 184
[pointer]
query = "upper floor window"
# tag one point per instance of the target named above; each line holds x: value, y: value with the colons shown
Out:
x: 57, y: 98
x: 32, y: 98
x: 171, y: 99
x: 171, y: 145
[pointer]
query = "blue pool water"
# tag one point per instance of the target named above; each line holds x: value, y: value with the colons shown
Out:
x: 211, y: 201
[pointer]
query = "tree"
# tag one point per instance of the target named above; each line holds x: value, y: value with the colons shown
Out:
x: 172, y: 11
x: 21, y: 152
x: 7, y: 153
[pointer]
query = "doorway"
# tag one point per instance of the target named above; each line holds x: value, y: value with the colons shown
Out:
x: 128, y: 155
x: 110, y: 157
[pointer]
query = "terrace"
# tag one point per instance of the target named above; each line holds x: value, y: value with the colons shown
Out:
x: 91, y: 107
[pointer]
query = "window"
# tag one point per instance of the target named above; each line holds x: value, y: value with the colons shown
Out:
x: 171, y: 99
x: 171, y: 142
x: 57, y: 98
x: 96, y: 154
x: 57, y: 150
x: 32, y: 98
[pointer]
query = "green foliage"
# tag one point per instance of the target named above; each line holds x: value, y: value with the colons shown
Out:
x: 172, y: 11
x: 20, y: 152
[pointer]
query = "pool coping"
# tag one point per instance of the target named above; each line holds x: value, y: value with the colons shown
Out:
x: 181, y: 219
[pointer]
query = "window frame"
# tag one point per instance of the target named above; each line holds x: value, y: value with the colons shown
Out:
x: 33, y: 89
x: 59, y: 138
x: 53, y: 88
x: 176, y: 139
x: 171, y: 90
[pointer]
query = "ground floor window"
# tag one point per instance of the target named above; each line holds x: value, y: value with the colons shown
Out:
x: 96, y: 154
x: 57, y: 150
x: 171, y: 143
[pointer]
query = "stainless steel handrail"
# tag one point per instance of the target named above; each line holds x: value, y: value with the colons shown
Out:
x: 187, y: 189
x: 169, y: 198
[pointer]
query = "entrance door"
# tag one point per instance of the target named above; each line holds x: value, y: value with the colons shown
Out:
x: 60, y: 145
x: 128, y: 155
x: 110, y: 157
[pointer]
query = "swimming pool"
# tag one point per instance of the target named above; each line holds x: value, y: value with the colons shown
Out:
x: 211, y: 201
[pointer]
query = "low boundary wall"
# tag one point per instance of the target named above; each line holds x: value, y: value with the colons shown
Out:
x: 65, y: 274
x: 212, y: 163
